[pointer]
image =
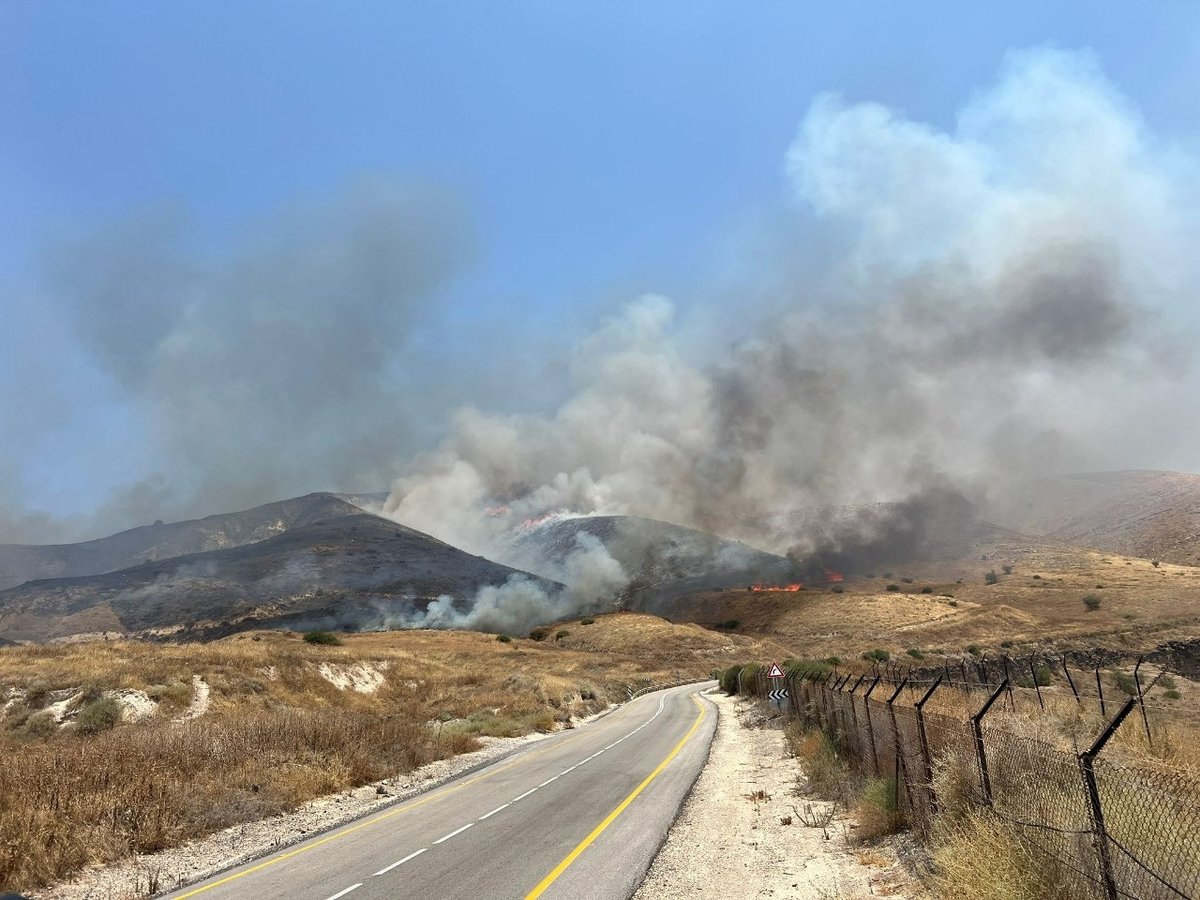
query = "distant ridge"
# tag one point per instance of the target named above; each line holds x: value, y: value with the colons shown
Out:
x: 354, y: 571
x: 146, y: 543
x: 1151, y: 514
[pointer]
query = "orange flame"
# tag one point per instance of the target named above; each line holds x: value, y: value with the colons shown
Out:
x: 788, y: 588
x: 832, y: 576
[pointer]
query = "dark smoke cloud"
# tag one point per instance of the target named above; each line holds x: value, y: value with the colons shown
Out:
x: 276, y: 369
x: 987, y: 311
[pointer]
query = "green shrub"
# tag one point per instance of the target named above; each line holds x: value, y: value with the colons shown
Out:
x: 892, y: 587
x: 807, y: 666
x: 562, y: 634
x: 837, y: 589
x: 41, y: 724
x: 1172, y: 694
x: 99, y: 715
x: 953, y: 603
x: 1007, y: 570
x: 1037, y: 577
x: 927, y: 590
x: 731, y: 624
x: 877, y: 655
x: 1155, y: 563
x: 587, y: 621
x: 729, y: 679
x: 1126, y: 683
x: 504, y: 638
x: 1091, y: 601
x: 915, y: 653
x: 837, y: 661
x: 907, y: 580
x: 975, y: 650
x: 539, y: 634
x: 322, y: 637
x: 1007, y: 644
x: 1166, y: 681
x: 991, y: 577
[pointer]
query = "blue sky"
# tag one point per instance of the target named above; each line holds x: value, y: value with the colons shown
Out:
x: 597, y: 150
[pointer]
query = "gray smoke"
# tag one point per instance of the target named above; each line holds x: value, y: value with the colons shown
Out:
x: 989, y: 312
x: 588, y: 573
x: 288, y: 364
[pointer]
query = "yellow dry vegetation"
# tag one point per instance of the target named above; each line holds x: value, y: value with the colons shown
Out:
x: 286, y: 721
x: 1039, y: 605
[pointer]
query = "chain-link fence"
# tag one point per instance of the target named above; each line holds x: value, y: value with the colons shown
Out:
x: 1113, y: 828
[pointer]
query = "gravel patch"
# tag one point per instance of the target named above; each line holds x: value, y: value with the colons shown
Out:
x: 144, y: 876
x: 729, y: 840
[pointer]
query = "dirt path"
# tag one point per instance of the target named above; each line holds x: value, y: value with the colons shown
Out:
x: 199, y: 704
x: 729, y: 841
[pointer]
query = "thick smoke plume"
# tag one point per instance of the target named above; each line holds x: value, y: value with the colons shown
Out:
x: 288, y: 364
x: 989, y: 312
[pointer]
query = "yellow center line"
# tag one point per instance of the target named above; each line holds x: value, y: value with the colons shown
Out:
x: 402, y: 808
x: 612, y: 816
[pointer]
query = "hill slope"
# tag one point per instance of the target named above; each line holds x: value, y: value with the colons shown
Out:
x: 660, y: 559
x: 25, y: 562
x: 353, y: 571
x: 1154, y: 515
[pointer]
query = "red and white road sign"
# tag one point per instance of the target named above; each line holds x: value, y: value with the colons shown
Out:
x: 775, y: 671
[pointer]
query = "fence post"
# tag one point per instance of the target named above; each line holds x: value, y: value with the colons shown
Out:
x: 985, y: 780
x: 1142, y: 700
x: 1086, y: 766
x: 1100, y: 691
x: 1034, y: 675
x: 870, y: 729
x: 901, y: 766
x: 926, y: 755
x: 1070, y: 680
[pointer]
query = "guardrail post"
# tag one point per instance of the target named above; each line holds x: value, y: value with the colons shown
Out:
x: 1086, y: 767
x: 926, y: 755
x: 985, y: 779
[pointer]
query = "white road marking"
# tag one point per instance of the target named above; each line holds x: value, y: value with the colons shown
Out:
x: 353, y: 887
x: 399, y: 862
x: 447, y: 837
x: 494, y: 811
x: 568, y: 771
x: 523, y: 796
x: 548, y: 780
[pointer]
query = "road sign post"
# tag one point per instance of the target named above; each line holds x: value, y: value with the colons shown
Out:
x: 778, y: 695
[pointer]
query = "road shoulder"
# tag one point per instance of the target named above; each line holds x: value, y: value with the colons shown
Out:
x: 730, y: 840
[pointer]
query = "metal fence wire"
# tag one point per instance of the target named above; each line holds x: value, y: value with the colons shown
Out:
x: 1113, y: 830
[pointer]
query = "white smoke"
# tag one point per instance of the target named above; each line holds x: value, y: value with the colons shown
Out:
x: 991, y: 311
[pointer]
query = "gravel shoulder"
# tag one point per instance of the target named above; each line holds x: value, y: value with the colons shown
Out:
x: 729, y: 840
x: 145, y: 876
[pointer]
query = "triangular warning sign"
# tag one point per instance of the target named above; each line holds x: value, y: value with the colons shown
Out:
x: 775, y: 671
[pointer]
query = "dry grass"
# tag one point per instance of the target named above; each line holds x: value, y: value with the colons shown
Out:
x: 978, y: 857
x: 279, y: 731
x: 1142, y: 605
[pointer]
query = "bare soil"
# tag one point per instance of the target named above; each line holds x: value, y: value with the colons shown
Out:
x: 730, y: 839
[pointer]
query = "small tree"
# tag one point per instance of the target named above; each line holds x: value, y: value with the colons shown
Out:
x: 991, y: 577
x: 322, y: 637
x: 1091, y: 601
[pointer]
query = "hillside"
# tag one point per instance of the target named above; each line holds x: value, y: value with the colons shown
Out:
x: 661, y: 559
x: 147, y: 543
x: 353, y: 571
x: 942, y: 608
x: 1155, y: 515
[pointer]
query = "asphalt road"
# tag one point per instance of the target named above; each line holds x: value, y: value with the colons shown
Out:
x: 579, y: 815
